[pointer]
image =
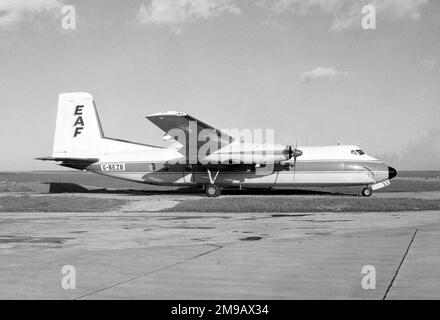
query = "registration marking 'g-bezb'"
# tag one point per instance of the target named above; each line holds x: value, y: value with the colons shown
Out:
x: 113, y: 167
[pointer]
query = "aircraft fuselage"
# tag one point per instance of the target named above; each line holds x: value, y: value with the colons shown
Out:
x: 319, y: 166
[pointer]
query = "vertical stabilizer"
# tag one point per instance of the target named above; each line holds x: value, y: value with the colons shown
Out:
x: 78, y: 130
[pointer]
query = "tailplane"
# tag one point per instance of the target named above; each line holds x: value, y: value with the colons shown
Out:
x: 79, y: 139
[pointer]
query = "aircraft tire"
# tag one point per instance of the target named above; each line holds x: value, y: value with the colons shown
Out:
x: 367, y: 192
x: 213, y: 190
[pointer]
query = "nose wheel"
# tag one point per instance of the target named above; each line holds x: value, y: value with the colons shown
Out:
x: 367, y: 192
x: 213, y: 190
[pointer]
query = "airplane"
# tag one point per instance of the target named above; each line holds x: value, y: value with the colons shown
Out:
x: 80, y: 144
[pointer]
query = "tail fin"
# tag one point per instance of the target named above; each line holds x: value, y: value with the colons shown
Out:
x: 78, y: 130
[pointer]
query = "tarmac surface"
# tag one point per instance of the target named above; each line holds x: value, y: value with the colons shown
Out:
x: 133, y: 254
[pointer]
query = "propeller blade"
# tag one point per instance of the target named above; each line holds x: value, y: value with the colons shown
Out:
x: 294, y: 169
x: 295, y: 154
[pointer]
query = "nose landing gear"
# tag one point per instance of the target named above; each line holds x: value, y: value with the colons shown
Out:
x: 213, y: 190
x: 367, y: 192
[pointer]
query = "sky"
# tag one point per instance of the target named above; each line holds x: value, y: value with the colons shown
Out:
x: 306, y: 69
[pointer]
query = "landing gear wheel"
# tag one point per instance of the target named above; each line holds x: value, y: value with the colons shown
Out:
x: 213, y: 190
x: 367, y: 192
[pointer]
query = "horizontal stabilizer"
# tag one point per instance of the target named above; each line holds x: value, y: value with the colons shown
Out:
x: 77, y: 163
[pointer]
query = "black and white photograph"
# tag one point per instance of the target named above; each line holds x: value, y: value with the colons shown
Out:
x: 219, y: 155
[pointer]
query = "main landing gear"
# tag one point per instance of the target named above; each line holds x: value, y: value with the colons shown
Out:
x: 213, y: 190
x: 367, y: 192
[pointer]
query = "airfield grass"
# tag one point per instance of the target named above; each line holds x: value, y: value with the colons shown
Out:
x: 57, y: 204
x: 304, y: 204
x: 411, y: 181
x: 12, y: 186
x: 75, y: 182
x: 407, y: 185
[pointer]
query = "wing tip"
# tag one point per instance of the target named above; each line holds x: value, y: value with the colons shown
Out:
x: 168, y: 113
x: 45, y: 158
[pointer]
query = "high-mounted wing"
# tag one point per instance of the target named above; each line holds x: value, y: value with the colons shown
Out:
x: 201, y: 143
x: 188, y: 131
x: 172, y: 120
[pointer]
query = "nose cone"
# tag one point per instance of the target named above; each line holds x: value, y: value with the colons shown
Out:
x: 391, y: 172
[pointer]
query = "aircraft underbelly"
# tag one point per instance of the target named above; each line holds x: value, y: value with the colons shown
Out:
x: 331, y: 177
x: 150, y: 177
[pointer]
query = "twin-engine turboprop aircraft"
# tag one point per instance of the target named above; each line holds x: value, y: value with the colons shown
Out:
x: 204, y: 156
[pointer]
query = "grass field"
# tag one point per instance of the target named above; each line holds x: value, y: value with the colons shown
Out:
x: 22, y: 181
x: 26, y: 184
x: 74, y: 177
x: 57, y: 204
x: 304, y: 204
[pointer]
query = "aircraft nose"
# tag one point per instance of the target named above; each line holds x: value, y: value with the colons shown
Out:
x: 391, y: 172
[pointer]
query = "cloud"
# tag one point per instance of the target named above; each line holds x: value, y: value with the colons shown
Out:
x: 14, y: 12
x: 420, y: 154
x: 348, y: 13
x: 273, y: 24
x: 176, y: 13
x: 322, y: 73
x: 429, y: 65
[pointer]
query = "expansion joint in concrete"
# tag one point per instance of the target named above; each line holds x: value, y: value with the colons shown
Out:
x: 216, y: 247
x: 400, y: 264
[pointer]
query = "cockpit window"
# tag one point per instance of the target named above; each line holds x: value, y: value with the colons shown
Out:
x: 358, y: 152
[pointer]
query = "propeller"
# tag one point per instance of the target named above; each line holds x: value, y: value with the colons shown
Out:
x: 294, y: 153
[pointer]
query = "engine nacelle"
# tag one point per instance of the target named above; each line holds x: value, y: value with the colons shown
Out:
x: 247, y: 157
